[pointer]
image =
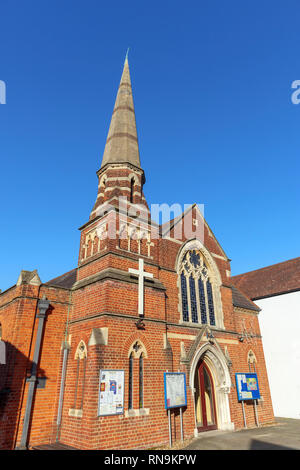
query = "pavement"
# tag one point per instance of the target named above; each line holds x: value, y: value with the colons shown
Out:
x: 283, y: 435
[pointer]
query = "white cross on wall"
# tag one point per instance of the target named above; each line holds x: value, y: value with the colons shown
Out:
x: 141, y: 275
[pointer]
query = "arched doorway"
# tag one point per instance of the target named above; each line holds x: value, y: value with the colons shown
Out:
x: 205, y: 404
x: 211, y: 359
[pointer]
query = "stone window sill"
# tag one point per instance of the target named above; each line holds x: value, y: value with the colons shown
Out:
x: 201, y: 325
x: 75, y: 413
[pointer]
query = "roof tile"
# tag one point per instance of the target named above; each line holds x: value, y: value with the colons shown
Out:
x: 272, y: 280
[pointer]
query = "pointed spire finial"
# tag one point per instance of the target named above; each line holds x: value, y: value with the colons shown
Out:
x: 126, y: 57
x: 122, y: 141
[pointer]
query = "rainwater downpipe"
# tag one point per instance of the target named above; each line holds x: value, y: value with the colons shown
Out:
x: 43, y: 305
x: 65, y: 347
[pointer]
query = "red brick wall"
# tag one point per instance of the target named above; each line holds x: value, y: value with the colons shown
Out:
x: 119, y: 298
x: 17, y: 316
x: 113, y: 304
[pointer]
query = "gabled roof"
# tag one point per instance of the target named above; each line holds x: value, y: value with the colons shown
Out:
x: 29, y: 277
x: 167, y: 227
x: 272, y: 280
x: 65, y: 281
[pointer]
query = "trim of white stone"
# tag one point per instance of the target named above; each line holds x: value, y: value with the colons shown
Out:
x: 216, y: 362
x: 75, y: 413
x: 218, y: 256
x: 181, y: 336
x: 215, y: 277
x: 139, y: 412
x: 99, y: 336
x: 254, y: 313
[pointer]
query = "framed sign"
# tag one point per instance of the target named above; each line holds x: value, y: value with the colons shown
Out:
x: 2, y: 352
x: 111, y: 392
x: 247, y: 386
x: 175, y: 389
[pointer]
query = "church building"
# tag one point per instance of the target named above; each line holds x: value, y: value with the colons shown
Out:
x: 83, y: 356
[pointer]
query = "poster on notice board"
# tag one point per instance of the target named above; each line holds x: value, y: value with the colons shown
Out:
x: 111, y: 392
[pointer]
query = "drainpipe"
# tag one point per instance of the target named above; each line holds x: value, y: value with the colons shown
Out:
x: 62, y: 386
x: 43, y: 305
x: 66, y: 348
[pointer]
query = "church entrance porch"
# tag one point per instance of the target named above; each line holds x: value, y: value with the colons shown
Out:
x: 210, y: 383
x: 205, y: 407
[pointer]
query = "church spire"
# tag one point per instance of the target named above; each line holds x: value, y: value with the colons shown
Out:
x: 122, y: 142
x: 121, y: 175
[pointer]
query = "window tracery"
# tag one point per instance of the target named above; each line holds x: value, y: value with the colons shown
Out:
x: 198, y: 289
x: 81, y: 358
x: 136, y: 374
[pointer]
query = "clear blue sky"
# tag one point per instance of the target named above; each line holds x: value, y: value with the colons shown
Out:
x: 212, y: 90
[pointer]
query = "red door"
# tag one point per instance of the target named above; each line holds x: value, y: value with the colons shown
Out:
x: 205, y: 406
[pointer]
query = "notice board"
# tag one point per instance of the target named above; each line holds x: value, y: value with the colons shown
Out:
x: 175, y: 389
x: 111, y: 392
x: 247, y: 386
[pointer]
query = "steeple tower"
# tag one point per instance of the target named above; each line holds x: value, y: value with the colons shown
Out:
x: 120, y: 174
x: 122, y: 141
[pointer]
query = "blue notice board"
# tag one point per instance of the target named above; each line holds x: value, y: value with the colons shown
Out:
x: 247, y: 386
x: 175, y: 389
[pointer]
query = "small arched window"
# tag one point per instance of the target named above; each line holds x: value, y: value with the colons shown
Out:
x: 136, y: 356
x: 103, y: 183
x: 198, y: 289
x: 131, y: 189
x: 141, y: 381
x: 130, y: 382
x: 251, y: 359
x: 81, y: 358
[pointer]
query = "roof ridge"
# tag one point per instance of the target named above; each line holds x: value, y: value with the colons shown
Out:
x: 266, y: 267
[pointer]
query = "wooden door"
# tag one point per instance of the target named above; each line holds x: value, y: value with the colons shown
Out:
x: 205, y: 399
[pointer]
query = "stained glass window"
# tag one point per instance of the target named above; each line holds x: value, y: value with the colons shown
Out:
x: 197, y: 289
x: 141, y: 381
x: 193, y: 300
x: 202, y: 301
x: 210, y: 300
x: 195, y: 258
x: 130, y: 383
x: 185, y: 308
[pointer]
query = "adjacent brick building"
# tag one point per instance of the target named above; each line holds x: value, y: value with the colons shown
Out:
x: 193, y: 320
x: 276, y: 290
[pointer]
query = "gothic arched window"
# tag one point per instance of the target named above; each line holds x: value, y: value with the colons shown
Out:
x: 198, y: 289
x: 141, y: 381
x: 130, y: 382
x: 136, y: 365
x: 131, y: 189
x: 81, y: 358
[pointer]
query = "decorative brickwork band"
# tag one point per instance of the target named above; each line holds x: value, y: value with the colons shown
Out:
x: 122, y: 134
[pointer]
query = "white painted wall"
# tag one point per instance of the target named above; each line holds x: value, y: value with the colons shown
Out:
x: 280, y: 328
